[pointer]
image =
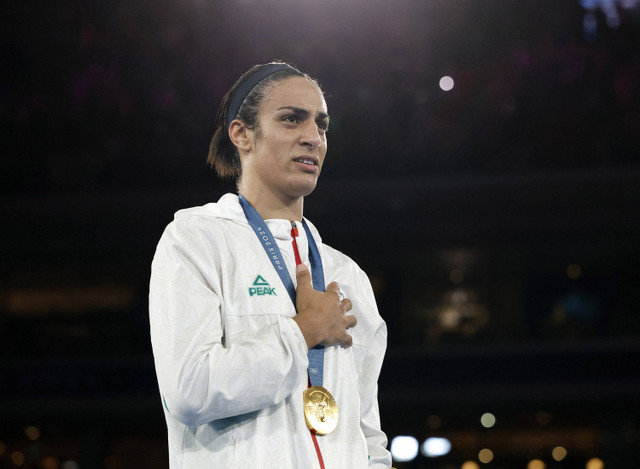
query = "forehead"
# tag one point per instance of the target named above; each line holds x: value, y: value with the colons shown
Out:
x: 295, y: 92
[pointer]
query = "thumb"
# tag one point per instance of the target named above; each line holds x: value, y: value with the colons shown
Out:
x: 303, y: 276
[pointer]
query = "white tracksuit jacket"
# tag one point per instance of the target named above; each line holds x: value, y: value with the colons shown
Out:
x: 231, y: 362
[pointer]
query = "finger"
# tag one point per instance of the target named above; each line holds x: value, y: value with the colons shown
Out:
x: 351, y: 321
x: 333, y: 287
x: 347, y: 341
x: 346, y: 304
x: 303, y: 277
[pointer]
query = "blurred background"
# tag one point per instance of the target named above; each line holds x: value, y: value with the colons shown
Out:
x: 483, y: 169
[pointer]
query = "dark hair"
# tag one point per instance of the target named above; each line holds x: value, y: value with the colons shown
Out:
x: 223, y: 154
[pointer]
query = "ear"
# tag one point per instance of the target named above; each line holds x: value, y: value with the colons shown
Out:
x: 240, y: 135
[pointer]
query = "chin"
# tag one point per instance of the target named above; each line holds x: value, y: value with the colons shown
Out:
x: 304, y: 188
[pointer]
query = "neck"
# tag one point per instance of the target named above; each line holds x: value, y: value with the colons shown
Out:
x: 270, y: 205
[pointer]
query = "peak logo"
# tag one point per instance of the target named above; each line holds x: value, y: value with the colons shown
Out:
x: 261, y: 287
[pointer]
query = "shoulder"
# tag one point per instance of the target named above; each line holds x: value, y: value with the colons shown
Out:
x: 209, y: 217
x: 339, y: 260
x: 189, y: 226
x: 207, y: 231
x: 195, y: 217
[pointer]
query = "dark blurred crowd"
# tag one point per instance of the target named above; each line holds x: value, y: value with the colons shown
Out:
x: 122, y: 94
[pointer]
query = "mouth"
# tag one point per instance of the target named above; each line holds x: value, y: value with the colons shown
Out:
x: 309, y: 163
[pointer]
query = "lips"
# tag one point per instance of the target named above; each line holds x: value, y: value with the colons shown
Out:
x: 310, y: 160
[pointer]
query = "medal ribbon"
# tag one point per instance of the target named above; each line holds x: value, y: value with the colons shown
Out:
x: 316, y: 354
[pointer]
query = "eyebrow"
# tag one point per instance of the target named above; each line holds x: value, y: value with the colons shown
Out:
x: 304, y: 112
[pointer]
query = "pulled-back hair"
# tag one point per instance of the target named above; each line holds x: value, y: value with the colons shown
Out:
x: 223, y: 154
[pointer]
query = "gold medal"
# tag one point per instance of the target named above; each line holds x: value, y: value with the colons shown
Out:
x: 320, y: 410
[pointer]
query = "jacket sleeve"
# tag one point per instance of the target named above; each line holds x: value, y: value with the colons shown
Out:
x: 202, y: 378
x: 379, y: 456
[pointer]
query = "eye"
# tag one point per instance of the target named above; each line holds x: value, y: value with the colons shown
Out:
x: 323, y: 125
x: 291, y: 118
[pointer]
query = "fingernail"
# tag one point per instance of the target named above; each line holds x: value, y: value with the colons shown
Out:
x: 301, y: 268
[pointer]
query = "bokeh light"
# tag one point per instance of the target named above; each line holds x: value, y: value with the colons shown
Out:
x: 559, y: 453
x: 574, y: 271
x: 435, y: 446
x: 404, y: 448
x: 33, y: 433
x: 485, y: 455
x: 470, y: 465
x: 17, y: 458
x: 446, y: 83
x: 595, y: 463
x: 50, y: 463
x: 536, y: 464
x: 488, y: 420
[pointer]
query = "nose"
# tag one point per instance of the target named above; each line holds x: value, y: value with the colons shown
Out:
x: 311, y: 135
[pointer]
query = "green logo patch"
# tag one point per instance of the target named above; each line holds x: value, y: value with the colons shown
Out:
x: 261, y: 287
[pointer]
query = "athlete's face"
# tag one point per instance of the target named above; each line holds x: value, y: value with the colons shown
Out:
x: 290, y: 143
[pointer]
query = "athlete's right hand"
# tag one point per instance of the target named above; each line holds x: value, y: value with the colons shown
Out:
x: 321, y: 315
